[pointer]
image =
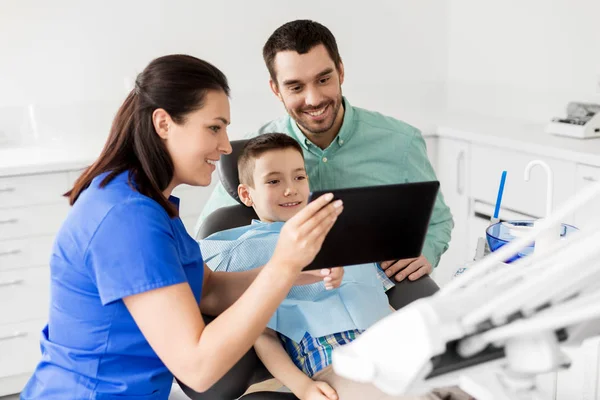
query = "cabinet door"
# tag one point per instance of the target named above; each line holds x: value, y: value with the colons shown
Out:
x: 20, y: 349
x: 431, y: 143
x: 589, y: 214
x: 453, y: 159
x: 526, y: 197
x: 27, y: 190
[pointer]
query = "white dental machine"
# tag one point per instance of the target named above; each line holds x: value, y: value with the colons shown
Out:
x: 497, y: 326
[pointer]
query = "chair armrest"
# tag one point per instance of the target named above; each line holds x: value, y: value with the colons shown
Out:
x: 406, y: 291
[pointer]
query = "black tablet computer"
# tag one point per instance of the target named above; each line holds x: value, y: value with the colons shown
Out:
x: 378, y: 223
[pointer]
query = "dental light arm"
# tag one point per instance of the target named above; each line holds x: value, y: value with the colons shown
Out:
x: 509, y: 318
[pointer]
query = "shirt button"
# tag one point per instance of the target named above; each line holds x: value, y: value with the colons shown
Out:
x: 341, y: 141
x: 324, y: 159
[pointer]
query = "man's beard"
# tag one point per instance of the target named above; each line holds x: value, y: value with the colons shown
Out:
x: 306, y: 126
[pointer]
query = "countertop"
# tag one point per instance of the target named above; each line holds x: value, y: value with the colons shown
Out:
x: 516, y: 135
x: 37, y: 159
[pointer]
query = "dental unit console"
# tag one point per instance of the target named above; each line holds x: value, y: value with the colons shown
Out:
x: 582, y: 121
x: 496, y: 327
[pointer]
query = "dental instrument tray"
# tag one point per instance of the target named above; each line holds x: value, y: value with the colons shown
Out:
x: 379, y: 223
x: 582, y: 121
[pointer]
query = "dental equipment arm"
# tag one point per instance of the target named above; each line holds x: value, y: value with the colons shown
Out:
x: 510, y: 319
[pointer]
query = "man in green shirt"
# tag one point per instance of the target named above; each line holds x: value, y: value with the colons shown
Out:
x: 344, y: 146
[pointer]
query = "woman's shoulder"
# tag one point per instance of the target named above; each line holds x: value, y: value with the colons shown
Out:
x: 117, y: 203
x: 116, y: 194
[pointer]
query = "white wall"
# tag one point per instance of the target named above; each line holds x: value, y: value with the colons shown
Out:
x: 72, y: 59
x: 522, y: 59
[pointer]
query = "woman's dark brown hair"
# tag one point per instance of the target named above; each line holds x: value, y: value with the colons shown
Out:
x: 176, y: 83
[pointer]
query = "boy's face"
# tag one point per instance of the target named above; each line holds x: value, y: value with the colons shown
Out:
x: 280, y: 185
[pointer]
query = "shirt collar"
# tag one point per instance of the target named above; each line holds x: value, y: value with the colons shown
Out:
x: 345, y: 133
x: 175, y: 201
x: 269, y: 225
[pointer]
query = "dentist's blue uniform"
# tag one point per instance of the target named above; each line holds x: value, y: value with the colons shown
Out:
x: 114, y: 243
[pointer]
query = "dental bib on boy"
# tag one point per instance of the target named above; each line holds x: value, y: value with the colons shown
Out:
x: 499, y: 324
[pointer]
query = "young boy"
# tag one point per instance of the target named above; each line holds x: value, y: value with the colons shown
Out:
x: 313, y: 319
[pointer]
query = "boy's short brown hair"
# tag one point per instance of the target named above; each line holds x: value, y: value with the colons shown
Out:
x: 259, y: 145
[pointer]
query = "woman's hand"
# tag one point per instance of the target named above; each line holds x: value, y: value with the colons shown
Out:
x: 318, y: 390
x: 332, y: 277
x: 302, y: 235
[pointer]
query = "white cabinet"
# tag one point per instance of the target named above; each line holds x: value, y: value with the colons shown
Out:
x: 21, y: 191
x: 526, y: 197
x: 589, y: 214
x: 522, y: 200
x: 453, y: 164
x: 469, y: 174
x: 432, y: 144
x: 20, y: 350
x: 32, y: 208
x: 31, y: 211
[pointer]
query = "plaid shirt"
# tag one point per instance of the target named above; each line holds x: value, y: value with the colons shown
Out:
x: 311, y: 355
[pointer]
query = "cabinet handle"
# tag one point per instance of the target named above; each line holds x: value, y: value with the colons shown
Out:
x: 7, y: 190
x: 460, y: 187
x: 15, y: 335
x: 10, y: 252
x: 589, y: 179
x: 482, y: 216
x: 14, y: 282
x: 9, y: 221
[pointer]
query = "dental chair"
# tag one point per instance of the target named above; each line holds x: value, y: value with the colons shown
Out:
x: 250, y: 370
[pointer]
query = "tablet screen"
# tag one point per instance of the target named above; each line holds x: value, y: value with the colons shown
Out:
x: 378, y: 223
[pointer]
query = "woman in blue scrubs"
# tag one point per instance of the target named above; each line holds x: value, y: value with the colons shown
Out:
x: 128, y: 283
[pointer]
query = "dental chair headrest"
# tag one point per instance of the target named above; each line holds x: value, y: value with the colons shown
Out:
x: 227, y: 167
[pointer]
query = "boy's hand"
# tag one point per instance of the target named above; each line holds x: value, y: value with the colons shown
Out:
x: 332, y: 277
x: 317, y: 390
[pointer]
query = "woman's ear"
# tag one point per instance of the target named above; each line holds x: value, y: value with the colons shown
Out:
x: 244, y: 195
x: 161, y: 120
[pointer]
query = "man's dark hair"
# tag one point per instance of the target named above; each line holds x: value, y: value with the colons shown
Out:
x: 258, y: 146
x: 300, y: 36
